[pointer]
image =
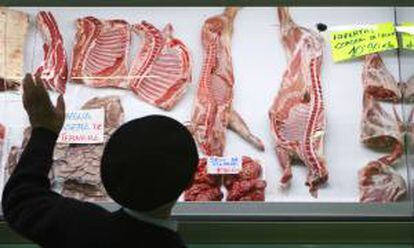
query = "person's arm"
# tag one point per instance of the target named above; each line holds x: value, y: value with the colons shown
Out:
x: 29, y: 206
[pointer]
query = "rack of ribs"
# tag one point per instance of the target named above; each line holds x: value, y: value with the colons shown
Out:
x: 297, y: 115
x: 212, y: 111
x: 101, y: 52
x: 378, y: 181
x: 13, y: 30
x: 54, y: 69
x: 161, y: 71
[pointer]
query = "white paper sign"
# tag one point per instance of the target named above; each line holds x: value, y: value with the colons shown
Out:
x: 83, y: 127
x: 224, y: 165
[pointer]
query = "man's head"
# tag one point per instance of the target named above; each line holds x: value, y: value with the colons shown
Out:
x: 148, y: 162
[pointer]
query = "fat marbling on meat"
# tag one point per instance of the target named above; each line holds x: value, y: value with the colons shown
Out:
x: 100, y: 54
x: 54, y: 69
x: 161, y: 71
x: 212, y: 111
x: 297, y: 116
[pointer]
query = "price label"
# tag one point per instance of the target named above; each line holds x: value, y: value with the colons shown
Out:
x: 83, y: 127
x: 224, y: 165
x: 406, y: 38
x: 349, y: 44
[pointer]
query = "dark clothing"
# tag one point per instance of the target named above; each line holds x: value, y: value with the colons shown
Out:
x: 47, y: 218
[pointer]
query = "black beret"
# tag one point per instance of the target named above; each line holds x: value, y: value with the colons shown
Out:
x: 148, y: 162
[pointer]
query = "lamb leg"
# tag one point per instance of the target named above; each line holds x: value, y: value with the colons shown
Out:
x: 240, y: 127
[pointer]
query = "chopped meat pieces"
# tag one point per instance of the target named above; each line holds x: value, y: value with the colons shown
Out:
x: 13, y: 29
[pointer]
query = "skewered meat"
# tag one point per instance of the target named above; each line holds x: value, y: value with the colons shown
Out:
x: 297, y: 115
x: 213, y: 113
x: 13, y: 29
x: 101, y: 52
x: 161, y: 71
x: 54, y: 69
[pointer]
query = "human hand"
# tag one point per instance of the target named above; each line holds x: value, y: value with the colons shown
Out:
x: 39, y: 108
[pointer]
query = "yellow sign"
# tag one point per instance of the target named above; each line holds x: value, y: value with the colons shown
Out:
x: 406, y: 38
x: 349, y: 44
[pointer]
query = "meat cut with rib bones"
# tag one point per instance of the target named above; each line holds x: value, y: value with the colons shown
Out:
x: 213, y: 112
x: 54, y: 69
x: 297, y: 116
x: 161, y: 71
x: 101, y: 52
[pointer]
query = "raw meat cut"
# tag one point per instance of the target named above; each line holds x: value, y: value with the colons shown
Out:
x: 205, y: 187
x: 378, y: 81
x: 13, y: 29
x: 408, y: 90
x: 161, y: 71
x: 76, y: 168
x: 213, y: 112
x: 297, y: 116
x: 54, y: 69
x: 101, y: 52
x: 378, y: 182
x: 247, y: 185
x: 78, y: 165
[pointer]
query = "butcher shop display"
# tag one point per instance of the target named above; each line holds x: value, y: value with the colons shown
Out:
x: 161, y: 71
x: 213, y: 112
x: 100, y: 54
x: 297, y: 116
x: 380, y: 130
x: 244, y: 186
x: 54, y: 69
x: 338, y: 131
x: 13, y: 29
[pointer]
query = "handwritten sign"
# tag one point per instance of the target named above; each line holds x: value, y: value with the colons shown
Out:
x: 349, y: 44
x: 83, y: 127
x: 406, y: 38
x: 224, y: 165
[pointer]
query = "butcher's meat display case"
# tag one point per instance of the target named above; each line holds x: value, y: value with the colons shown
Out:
x: 315, y: 139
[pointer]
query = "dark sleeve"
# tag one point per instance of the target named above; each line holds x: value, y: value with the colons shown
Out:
x: 31, y: 208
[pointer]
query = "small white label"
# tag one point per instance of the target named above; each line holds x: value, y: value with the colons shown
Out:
x: 83, y: 127
x: 224, y: 165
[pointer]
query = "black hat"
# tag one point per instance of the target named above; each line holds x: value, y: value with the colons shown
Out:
x: 148, y: 162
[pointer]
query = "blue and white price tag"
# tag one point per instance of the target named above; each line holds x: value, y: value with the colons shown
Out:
x: 83, y: 127
x: 224, y: 165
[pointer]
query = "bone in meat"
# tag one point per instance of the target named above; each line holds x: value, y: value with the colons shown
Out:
x: 54, y: 69
x: 161, y: 71
x: 101, y: 52
x: 378, y: 182
x: 213, y: 112
x: 297, y: 116
x: 13, y: 29
x: 378, y: 81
